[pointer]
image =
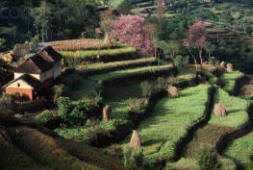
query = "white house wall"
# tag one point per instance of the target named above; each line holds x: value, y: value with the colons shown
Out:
x: 20, y: 84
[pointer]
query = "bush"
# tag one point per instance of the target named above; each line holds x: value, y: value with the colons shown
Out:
x: 77, y: 112
x: 134, y: 159
x: 136, y: 105
x: 44, y: 117
x: 208, y: 158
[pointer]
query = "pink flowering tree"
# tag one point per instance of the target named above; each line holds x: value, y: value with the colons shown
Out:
x: 197, y: 38
x: 132, y: 30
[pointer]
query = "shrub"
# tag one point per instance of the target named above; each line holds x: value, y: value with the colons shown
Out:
x: 64, y: 107
x: 208, y: 158
x: 136, y: 105
x: 77, y: 112
x: 134, y: 159
x: 45, y: 117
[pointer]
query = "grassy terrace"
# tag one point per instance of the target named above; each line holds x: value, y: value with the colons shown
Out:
x: 111, y: 66
x: 218, y: 126
x: 230, y: 80
x: 10, y: 154
x: 131, y: 72
x: 46, y: 151
x: 236, y: 111
x: 95, y: 53
x: 241, y: 150
x: 169, y: 117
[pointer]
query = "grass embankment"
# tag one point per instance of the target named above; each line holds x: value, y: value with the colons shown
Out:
x: 230, y: 80
x: 137, y: 72
x: 169, y: 122
x: 57, y: 154
x: 218, y: 126
x: 91, y: 54
x: 11, y: 158
x: 112, y: 66
x: 241, y: 150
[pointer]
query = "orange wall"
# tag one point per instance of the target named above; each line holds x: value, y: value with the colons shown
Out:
x: 22, y: 92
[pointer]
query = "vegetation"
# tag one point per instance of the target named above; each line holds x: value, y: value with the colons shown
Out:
x: 131, y: 72
x: 95, y: 53
x: 79, y: 44
x: 230, y: 80
x: 241, y: 151
x: 236, y: 111
x: 167, y: 44
x: 111, y: 66
x: 169, y: 117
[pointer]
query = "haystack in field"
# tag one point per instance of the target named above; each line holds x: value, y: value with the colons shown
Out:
x: 135, y: 141
x: 107, y: 113
x: 222, y: 65
x: 172, y: 92
x: 220, y: 109
x: 230, y: 67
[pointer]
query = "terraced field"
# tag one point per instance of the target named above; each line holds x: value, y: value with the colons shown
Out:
x: 171, y: 129
x: 169, y: 122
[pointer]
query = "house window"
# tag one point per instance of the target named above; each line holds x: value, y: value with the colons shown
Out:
x: 18, y: 84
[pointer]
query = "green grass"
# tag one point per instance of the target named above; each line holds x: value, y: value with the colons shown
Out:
x: 95, y: 53
x: 184, y: 163
x: 236, y: 110
x: 170, y: 121
x: 115, y: 3
x: 130, y: 72
x: 241, y: 150
x: 86, y: 88
x: 105, y: 67
x: 186, y: 75
x: 230, y: 80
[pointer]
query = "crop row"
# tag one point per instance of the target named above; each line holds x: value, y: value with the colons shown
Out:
x: 98, y: 53
x: 129, y: 74
x: 79, y: 44
x: 99, y: 68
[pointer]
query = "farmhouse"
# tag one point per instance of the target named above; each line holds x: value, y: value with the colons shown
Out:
x: 35, y: 74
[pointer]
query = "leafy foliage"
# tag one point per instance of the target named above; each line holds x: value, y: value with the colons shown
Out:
x: 77, y: 112
x: 132, y: 30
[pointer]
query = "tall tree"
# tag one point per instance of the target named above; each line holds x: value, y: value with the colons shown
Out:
x: 197, y: 38
x: 132, y: 30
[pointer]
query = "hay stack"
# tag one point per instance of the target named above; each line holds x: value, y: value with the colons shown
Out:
x: 230, y: 67
x: 222, y: 65
x: 8, y: 57
x: 107, y: 113
x: 135, y: 141
x: 172, y: 92
x: 220, y: 109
